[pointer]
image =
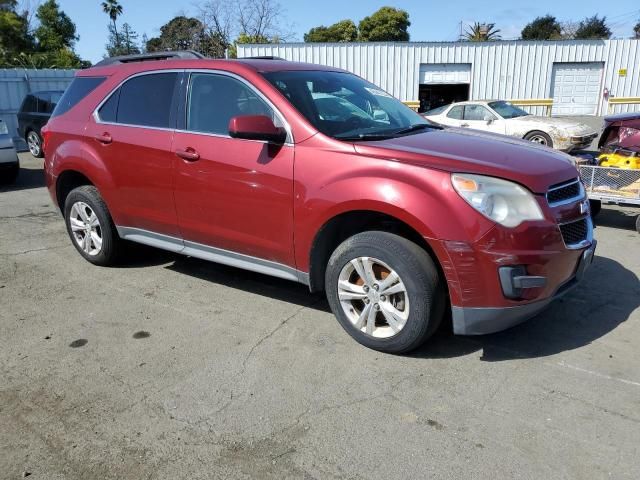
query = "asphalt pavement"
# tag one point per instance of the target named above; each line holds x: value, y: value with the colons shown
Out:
x: 168, y: 367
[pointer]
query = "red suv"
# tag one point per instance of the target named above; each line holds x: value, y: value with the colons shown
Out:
x: 312, y: 174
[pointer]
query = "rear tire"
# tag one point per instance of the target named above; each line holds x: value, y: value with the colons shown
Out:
x: 402, y: 321
x: 595, y: 206
x: 540, y: 138
x: 90, y: 226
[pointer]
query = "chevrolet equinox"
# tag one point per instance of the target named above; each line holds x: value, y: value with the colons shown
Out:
x: 312, y: 174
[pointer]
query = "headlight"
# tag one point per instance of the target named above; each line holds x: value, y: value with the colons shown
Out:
x: 504, y: 202
x: 3, y: 128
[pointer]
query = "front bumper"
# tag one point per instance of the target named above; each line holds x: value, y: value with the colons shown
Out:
x: 484, y: 320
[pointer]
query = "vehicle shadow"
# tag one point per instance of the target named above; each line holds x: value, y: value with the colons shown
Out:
x: 28, y: 178
x: 616, y: 217
x: 584, y: 315
x: 587, y: 313
x: 272, y: 287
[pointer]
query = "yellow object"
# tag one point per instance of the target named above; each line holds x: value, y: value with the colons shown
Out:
x: 619, y: 161
x: 622, y: 72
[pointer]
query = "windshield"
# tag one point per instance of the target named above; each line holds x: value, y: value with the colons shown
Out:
x: 506, y: 110
x: 346, y: 107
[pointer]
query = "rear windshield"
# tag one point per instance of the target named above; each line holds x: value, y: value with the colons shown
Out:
x: 79, y: 88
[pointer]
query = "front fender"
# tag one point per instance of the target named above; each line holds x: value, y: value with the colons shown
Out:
x: 422, y: 198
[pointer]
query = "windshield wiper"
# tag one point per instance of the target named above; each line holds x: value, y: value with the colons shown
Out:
x: 367, y: 136
x: 417, y: 127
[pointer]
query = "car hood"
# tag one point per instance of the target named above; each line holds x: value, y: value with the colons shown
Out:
x: 567, y: 124
x: 472, y: 151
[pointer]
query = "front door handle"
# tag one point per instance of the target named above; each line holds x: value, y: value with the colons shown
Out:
x: 188, y: 154
x: 104, y: 138
x: 464, y: 125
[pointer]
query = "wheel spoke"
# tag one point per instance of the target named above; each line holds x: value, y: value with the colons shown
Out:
x: 388, y: 282
x: 395, y: 318
x: 82, y: 213
x: 370, y: 277
x: 371, y: 321
x: 93, y: 220
x: 76, y: 225
x: 350, y: 291
x: 397, y: 288
x: 364, y: 315
x: 86, y: 243
x: 97, y: 241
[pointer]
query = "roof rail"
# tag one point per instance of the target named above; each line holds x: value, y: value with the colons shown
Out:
x: 263, y: 57
x: 147, y: 57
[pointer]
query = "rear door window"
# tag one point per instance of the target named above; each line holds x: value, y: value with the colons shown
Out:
x: 44, y: 103
x: 477, y: 113
x: 79, y: 88
x: 146, y: 100
x: 29, y: 104
x: 456, y: 112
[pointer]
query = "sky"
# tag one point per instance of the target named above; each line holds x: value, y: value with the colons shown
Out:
x: 431, y: 20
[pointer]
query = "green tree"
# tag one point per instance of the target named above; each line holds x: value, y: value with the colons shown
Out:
x: 593, y: 28
x: 244, y: 38
x: 128, y: 41
x: 180, y: 33
x: 482, y: 32
x: 543, y: 28
x: 342, y: 31
x: 114, y: 10
x: 56, y: 30
x: 636, y: 30
x: 14, y: 33
x: 153, y: 44
x: 386, y: 25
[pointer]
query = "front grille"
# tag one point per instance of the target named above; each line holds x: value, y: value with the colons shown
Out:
x: 575, y: 232
x: 564, y: 192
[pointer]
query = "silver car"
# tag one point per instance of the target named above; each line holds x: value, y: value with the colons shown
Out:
x: 9, y: 163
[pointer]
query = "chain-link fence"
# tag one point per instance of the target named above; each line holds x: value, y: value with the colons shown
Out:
x: 612, y: 184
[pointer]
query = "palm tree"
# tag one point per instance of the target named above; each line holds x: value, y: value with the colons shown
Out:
x: 482, y: 32
x: 114, y: 10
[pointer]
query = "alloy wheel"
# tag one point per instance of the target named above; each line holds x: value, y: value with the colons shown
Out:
x: 373, y: 297
x: 539, y: 139
x: 33, y: 142
x: 85, y: 228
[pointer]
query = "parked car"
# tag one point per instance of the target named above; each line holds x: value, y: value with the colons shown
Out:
x: 502, y: 117
x: 394, y: 218
x: 34, y: 113
x: 9, y: 163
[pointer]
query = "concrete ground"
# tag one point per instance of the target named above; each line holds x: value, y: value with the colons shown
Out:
x: 170, y: 367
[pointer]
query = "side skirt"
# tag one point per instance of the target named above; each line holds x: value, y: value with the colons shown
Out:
x: 212, y: 254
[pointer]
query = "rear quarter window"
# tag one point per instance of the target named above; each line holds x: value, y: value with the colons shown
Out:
x: 79, y: 88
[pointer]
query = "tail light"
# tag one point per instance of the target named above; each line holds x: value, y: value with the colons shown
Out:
x: 46, y: 133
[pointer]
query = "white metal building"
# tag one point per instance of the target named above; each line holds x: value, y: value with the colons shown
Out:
x: 581, y: 77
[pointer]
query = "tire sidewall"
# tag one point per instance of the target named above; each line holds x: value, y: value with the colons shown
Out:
x: 535, y: 133
x: 90, y: 196
x: 420, y: 280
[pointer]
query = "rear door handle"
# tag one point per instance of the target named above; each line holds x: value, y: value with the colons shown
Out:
x: 104, y: 138
x: 189, y: 154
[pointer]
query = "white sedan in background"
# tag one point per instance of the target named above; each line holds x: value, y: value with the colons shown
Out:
x: 500, y: 116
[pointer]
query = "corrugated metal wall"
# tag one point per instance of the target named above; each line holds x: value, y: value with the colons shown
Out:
x: 505, y: 69
x: 15, y: 83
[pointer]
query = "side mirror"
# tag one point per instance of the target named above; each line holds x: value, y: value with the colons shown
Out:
x: 256, y: 127
x: 489, y: 120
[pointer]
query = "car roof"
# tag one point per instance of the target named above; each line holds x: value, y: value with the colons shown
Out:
x: 259, y: 65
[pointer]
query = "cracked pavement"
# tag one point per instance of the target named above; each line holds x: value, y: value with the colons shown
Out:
x: 169, y: 367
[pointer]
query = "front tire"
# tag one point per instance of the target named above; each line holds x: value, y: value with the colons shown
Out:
x: 385, y: 291
x: 90, y: 226
x: 540, y: 138
x: 595, y: 206
x: 34, y: 142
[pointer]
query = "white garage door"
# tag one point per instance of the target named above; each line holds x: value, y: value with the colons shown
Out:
x: 576, y: 88
x: 447, y: 73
